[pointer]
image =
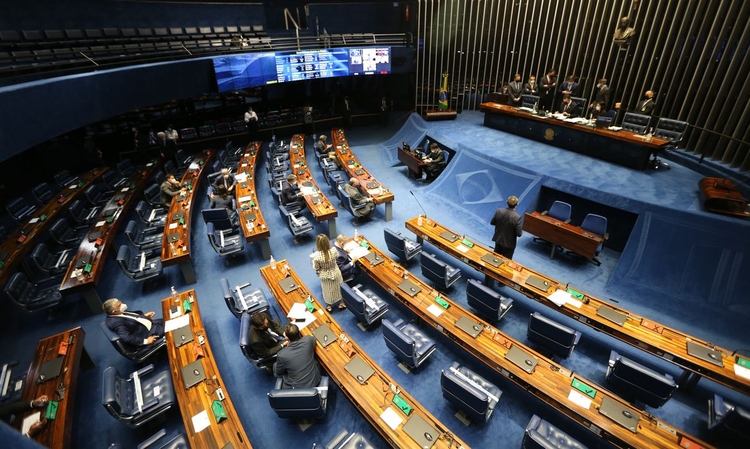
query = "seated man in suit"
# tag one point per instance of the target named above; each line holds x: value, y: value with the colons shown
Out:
x: 225, y: 179
x: 266, y: 336
x: 346, y: 263
x: 134, y: 328
x: 14, y: 408
x: 290, y: 194
x: 296, y: 362
x: 170, y: 188
x: 435, y: 162
x: 322, y: 147
x: 358, y: 199
x: 568, y: 107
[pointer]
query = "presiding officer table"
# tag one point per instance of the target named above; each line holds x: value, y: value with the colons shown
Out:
x: 564, y: 235
x: 254, y: 226
x: 620, y: 147
x: 69, y: 346
x: 318, y: 204
x: 350, y: 164
x: 413, y: 162
x: 372, y: 397
x: 200, y: 397
x: 565, y: 391
x: 642, y: 333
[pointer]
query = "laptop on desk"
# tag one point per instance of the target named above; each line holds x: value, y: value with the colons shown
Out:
x: 612, y: 315
x: 288, y: 285
x: 492, y: 260
x: 374, y: 259
x: 470, y: 327
x: 522, y: 359
x: 50, y: 369
x: 447, y: 235
x: 182, y: 335
x: 420, y: 431
x: 359, y: 369
x: 193, y: 374
x: 619, y: 414
x: 538, y: 282
x: 173, y: 237
x: 409, y: 288
x: 705, y: 353
x: 324, y: 335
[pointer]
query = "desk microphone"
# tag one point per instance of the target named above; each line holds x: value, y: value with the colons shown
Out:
x: 420, y: 206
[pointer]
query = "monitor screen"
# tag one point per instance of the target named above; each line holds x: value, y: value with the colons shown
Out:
x: 242, y: 71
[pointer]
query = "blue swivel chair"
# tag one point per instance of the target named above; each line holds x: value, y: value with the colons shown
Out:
x: 346, y: 440
x: 439, y: 272
x: 53, y: 264
x: 408, y: 342
x: 125, y: 167
x: 366, y: 306
x: 19, y: 209
x: 732, y: 421
x: 528, y: 101
x: 636, y: 123
x: 81, y: 214
x: 120, y: 395
x: 31, y: 296
x: 298, y: 224
x: 560, y: 210
x: 224, y: 241
x: 348, y: 203
x: 247, y: 349
x: 137, y: 354
x: 239, y: 301
x: 540, y: 434
x: 139, y: 266
x: 145, y: 239
x: 470, y: 392
x: 672, y: 130
x: 636, y: 382
x: 552, y: 335
x: 299, y: 402
x: 487, y: 301
x: 63, y: 178
x: 596, y: 224
x: 404, y: 248
x: 42, y: 193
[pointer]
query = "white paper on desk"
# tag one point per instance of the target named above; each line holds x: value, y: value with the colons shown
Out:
x: 73, y: 186
x: 201, y: 421
x: 560, y: 297
x: 33, y: 220
x: 99, y: 223
x: 391, y: 418
x: 242, y: 177
x: 358, y: 252
x: 194, y: 166
x: 176, y: 323
x: 579, y: 399
x: 574, y: 302
x: 244, y: 199
x: 149, y: 164
x: 741, y: 371
x: 77, y: 272
x: 351, y: 245
x: 299, y: 312
x: 435, y: 310
x: 125, y: 189
x: 29, y: 421
x: 307, y: 190
x: 173, y: 225
x: 373, y: 191
x: 463, y: 248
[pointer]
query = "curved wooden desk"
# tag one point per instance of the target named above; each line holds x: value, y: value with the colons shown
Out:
x: 642, y: 333
x: 322, y: 209
x: 254, y: 226
x: 350, y: 164
x: 201, y: 396
x: 375, y: 396
x: 564, y: 235
x: 550, y: 382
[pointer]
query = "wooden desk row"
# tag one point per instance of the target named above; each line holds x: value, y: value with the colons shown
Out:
x: 413, y: 162
x: 200, y: 397
x: 564, y: 235
x: 175, y: 246
x: 550, y: 382
x: 57, y: 432
x: 371, y: 187
x: 253, y: 225
x: 100, y: 238
x: 317, y: 202
x: 640, y: 332
x: 375, y: 396
x: 13, y: 250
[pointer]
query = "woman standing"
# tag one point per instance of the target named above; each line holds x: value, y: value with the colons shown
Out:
x: 324, y: 262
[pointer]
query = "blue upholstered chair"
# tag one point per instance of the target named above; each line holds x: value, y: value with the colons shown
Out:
x: 439, y: 272
x: 346, y: 440
x: 139, y: 266
x: 224, y: 241
x: 672, y: 130
x: 42, y: 193
x: 119, y: 395
x: 596, y: 224
x: 728, y: 420
x: 239, y: 301
x: 408, y: 342
x: 145, y: 239
x: 298, y: 224
x: 637, y: 382
x: 64, y: 235
x: 542, y: 435
x: 81, y: 214
x: 53, y: 264
x: 552, y: 335
x: 220, y: 217
x: 487, y: 301
x: 139, y: 354
x: 636, y: 123
x: 152, y: 194
x: 560, y: 210
x: 528, y: 101
x: 125, y: 167
x: 247, y: 350
x: 299, y: 402
x: 32, y: 296
x: 335, y: 178
x: 160, y: 440
x: 582, y: 104
x: 404, y: 248
x: 20, y: 209
x: 470, y: 392
x: 367, y: 311
x: 155, y: 217
x: 63, y: 178
x: 97, y: 195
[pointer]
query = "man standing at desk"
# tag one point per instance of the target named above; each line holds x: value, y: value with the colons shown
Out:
x: 170, y: 188
x: 135, y: 328
x: 296, y: 363
x: 646, y: 106
x: 602, y: 94
x: 515, y: 90
x: 266, y: 337
x: 507, y: 224
x: 548, y: 89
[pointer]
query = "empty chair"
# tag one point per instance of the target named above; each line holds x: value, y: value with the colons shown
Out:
x: 155, y: 217
x: 560, y: 210
x: 121, y: 398
x: 160, y: 440
x: 401, y: 246
x: 247, y: 349
x: 297, y: 224
x: 139, y: 266
x: 299, y: 402
x: 335, y: 178
x: 170, y: 167
x: 63, y: 234
x: 470, y: 392
x: 152, y: 194
x: 635, y: 381
x: 159, y: 178
x: 183, y: 160
x: 137, y: 354
x: 596, y: 224
x: 42, y: 193
x: 439, y: 272
x: 225, y: 241
x: 730, y: 420
x: 582, y: 104
x: 145, y: 239
x: 552, y: 335
x: 220, y: 218
x: 636, y: 123
x: 82, y: 215
x: 408, y: 342
x: 188, y: 134
x: 19, y: 209
x: 31, y: 296
x: 366, y: 306
x: 346, y: 440
x: 63, y: 178
x: 113, y: 179
x: 529, y: 101
x: 540, y: 434
x: 96, y: 195
x: 239, y: 301
x: 672, y: 130
x: 125, y: 167
x: 487, y: 301
x: 54, y: 264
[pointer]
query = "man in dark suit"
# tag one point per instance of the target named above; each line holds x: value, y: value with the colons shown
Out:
x: 569, y: 87
x: 515, y: 91
x: 568, y: 107
x: 14, y: 408
x: 225, y: 179
x: 290, y: 194
x: 602, y: 94
x: 368, y: 206
x: 507, y: 224
x: 346, y: 263
x: 547, y: 90
x: 135, y: 328
x: 435, y: 162
x: 266, y: 336
x: 296, y: 363
x: 646, y: 106
x: 169, y: 189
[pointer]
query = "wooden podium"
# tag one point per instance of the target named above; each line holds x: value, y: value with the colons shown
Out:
x: 721, y: 196
x: 438, y: 114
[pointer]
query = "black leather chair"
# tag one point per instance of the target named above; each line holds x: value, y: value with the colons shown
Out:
x: 247, y: 350
x: 470, y: 392
x: 728, y: 420
x: 439, y: 272
x: 139, y: 266
x: 346, y: 440
x: 64, y: 179
x: 138, y: 355
x: 582, y: 104
x: 529, y: 101
x: 160, y: 440
x: 114, y: 180
x: 299, y: 402
x: 155, y: 217
x: 404, y: 248
x: 20, y: 209
x: 486, y: 301
x: 366, y: 306
x: 152, y: 194
x: 125, y: 167
x: 145, y: 239
x: 552, y: 335
x: 297, y: 224
x: 672, y: 130
x: 42, y: 193
x: 540, y: 434
x: 120, y: 395
x: 220, y: 217
x: 81, y: 214
x: 239, y: 301
x: 64, y: 235
x: 634, y: 381
x: 408, y: 342
x: 225, y: 241
x: 31, y: 296
x: 96, y: 195
x: 53, y: 264
x: 636, y: 123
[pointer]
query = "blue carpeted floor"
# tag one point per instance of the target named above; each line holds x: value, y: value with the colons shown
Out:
x: 680, y: 266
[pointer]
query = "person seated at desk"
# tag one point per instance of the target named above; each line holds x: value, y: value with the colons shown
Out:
x: 346, y: 263
x: 290, y: 194
x: 170, y: 188
x: 332, y: 157
x: 220, y: 199
x: 359, y: 199
x: 135, y: 328
x: 296, y: 362
x: 435, y: 162
x: 568, y: 107
x: 322, y: 147
x: 225, y: 179
x: 14, y: 408
x: 266, y: 337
